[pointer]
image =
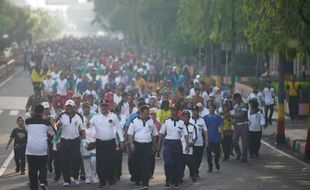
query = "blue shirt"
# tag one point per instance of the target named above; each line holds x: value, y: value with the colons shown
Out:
x: 130, y: 118
x: 213, y: 122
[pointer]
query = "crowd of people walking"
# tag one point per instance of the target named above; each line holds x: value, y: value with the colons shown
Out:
x: 97, y: 98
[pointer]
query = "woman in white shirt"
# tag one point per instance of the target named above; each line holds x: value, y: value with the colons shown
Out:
x: 257, y: 121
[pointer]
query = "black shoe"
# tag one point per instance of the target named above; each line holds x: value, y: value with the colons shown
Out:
x: 251, y: 156
x: 22, y: 171
x: 238, y: 157
x: 244, y: 160
x: 56, y: 178
x: 256, y: 155
x: 50, y: 169
x: 217, y: 166
x: 210, y: 170
x: 194, y: 179
x: 101, y: 184
x: 82, y: 178
x: 137, y: 184
x: 197, y: 176
x: 111, y: 182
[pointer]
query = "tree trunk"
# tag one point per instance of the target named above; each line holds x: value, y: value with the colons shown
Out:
x: 281, y: 97
x: 307, y: 151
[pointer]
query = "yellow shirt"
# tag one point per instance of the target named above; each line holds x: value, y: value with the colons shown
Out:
x: 228, y: 122
x: 292, y: 89
x: 162, y: 115
x: 36, y: 76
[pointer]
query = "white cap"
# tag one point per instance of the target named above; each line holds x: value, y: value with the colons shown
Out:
x: 45, y: 105
x: 199, y: 104
x: 70, y: 103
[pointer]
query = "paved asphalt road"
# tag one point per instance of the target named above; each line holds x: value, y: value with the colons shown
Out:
x: 272, y: 170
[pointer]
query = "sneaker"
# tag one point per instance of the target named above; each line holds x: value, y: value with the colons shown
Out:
x: 175, y: 186
x: 145, y: 188
x: 43, y: 186
x: 87, y: 181
x: 77, y: 182
x: 66, y: 184
x: 94, y: 180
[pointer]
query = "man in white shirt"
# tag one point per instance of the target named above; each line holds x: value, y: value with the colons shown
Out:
x: 72, y: 125
x: 172, y: 130
x: 105, y: 125
x: 269, y: 98
x: 36, y: 149
x: 142, y: 134
x: 187, y: 157
x: 201, y: 129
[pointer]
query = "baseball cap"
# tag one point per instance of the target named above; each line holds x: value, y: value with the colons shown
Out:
x: 45, y: 105
x: 195, y: 108
x: 69, y: 103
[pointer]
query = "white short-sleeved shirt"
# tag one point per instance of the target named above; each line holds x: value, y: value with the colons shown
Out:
x: 201, y: 127
x: 71, y: 127
x: 192, y: 135
x: 257, y: 121
x: 269, y: 93
x: 61, y: 87
x: 37, y: 130
x: 106, y: 126
x: 142, y: 131
x: 173, y: 129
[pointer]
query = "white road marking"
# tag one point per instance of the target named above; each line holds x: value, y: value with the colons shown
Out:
x: 1, y: 111
x: 1, y: 84
x: 13, y: 112
x: 13, y: 102
x: 285, y: 154
x: 6, y: 163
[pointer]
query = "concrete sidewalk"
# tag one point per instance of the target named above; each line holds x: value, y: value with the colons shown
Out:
x: 295, y: 133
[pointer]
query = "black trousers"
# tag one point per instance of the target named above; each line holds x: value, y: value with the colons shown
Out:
x: 57, y: 163
x: 172, y: 154
x: 142, y: 156
x: 254, y: 142
x: 20, y: 158
x: 70, y: 158
x: 293, y: 106
x: 213, y: 148
x: 152, y: 162
x: 197, y: 154
x: 37, y: 165
x: 131, y: 164
x: 106, y: 160
x: 227, y: 143
x: 118, y: 165
x: 188, y: 160
x: 269, y: 109
x: 50, y: 155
